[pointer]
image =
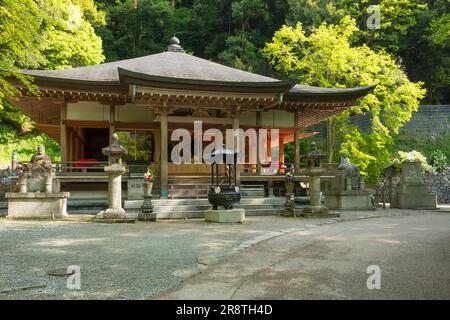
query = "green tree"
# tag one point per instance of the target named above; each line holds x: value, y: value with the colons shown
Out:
x: 327, y: 58
x: 19, y: 39
x: 416, y: 32
x: 35, y: 34
x: 70, y: 39
x: 230, y: 32
x: 241, y: 47
x: 140, y: 27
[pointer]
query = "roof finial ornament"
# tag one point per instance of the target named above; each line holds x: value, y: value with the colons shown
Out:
x: 175, y: 45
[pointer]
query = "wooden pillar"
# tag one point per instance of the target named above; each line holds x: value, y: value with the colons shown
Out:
x: 281, y: 149
x: 258, y: 125
x: 63, y: 131
x: 236, y: 118
x: 83, y: 143
x: 71, y: 147
x: 297, y: 151
x: 77, y: 143
x: 157, y: 147
x: 164, y: 154
x: 112, y: 121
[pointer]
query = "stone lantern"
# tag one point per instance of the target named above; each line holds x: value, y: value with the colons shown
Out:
x: 314, y: 171
x: 114, y: 170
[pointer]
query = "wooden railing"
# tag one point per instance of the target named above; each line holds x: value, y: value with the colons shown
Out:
x: 79, y: 167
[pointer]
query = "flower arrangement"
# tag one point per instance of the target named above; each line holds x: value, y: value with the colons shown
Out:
x: 290, y: 176
x: 148, y: 176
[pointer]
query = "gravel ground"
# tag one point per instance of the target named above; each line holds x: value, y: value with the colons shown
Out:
x: 128, y: 261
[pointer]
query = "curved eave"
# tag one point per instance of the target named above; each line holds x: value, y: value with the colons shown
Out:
x: 132, y: 77
x: 317, y: 94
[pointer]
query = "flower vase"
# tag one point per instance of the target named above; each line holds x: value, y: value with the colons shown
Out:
x: 289, y: 185
x: 147, y: 188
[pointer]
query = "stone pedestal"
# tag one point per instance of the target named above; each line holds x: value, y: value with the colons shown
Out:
x: 146, y: 213
x: 315, y: 209
x: 225, y: 216
x: 412, y: 193
x: 37, y: 204
x: 36, y: 198
x: 347, y: 192
x: 348, y: 200
x: 147, y: 216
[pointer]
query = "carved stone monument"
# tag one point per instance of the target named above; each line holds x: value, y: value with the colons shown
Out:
x: 348, y: 191
x: 412, y: 193
x: 36, y: 197
x: 114, y: 170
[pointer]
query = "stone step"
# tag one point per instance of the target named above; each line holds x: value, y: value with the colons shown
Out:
x: 135, y: 205
x: 271, y: 200
x: 177, y: 207
x: 247, y: 194
x: 262, y: 212
x: 177, y: 202
x: 86, y: 206
x: 201, y: 214
x: 243, y: 202
x: 195, y: 208
x: 86, y: 203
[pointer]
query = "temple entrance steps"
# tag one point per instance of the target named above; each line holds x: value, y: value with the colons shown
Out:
x: 199, y: 189
x: 195, y: 208
x: 252, y: 191
x: 179, y: 208
x: 86, y: 206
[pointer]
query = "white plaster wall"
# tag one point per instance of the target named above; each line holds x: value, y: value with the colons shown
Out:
x: 133, y: 113
x: 87, y: 110
x: 278, y: 118
x: 248, y: 118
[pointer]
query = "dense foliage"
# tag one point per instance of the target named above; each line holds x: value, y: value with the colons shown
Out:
x: 434, y: 148
x: 327, y: 58
x: 414, y: 32
x: 40, y: 34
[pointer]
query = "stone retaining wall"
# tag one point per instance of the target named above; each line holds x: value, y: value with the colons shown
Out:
x: 439, y: 183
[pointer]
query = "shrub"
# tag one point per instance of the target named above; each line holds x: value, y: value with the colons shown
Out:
x: 412, y: 156
x: 438, y: 160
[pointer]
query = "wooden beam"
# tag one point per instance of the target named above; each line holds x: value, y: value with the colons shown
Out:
x: 199, y: 93
x: 175, y: 119
x: 136, y: 126
x: 87, y: 124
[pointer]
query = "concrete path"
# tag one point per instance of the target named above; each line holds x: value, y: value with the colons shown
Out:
x: 331, y: 261
x: 122, y: 261
x: 137, y: 261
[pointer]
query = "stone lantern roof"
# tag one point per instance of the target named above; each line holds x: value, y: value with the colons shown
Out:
x: 115, y: 149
